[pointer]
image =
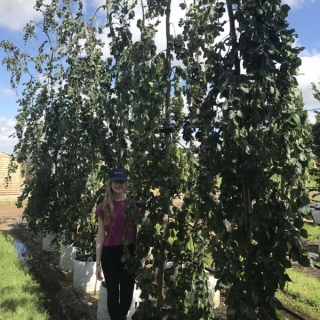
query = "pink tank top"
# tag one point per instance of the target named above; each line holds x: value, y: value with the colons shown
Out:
x: 117, y: 226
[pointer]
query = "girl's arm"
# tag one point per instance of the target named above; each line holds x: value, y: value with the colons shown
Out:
x: 99, y: 246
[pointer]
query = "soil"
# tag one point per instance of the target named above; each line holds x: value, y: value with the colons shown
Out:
x: 10, y: 216
x: 61, y: 299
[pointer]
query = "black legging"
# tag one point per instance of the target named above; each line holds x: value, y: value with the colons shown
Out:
x: 116, y: 274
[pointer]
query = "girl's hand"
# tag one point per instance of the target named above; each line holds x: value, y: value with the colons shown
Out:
x: 99, y: 273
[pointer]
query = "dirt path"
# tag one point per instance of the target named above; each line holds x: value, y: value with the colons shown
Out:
x: 10, y: 216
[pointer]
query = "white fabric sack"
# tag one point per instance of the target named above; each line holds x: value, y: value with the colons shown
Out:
x: 135, y: 301
x: 316, y: 214
x: 67, y: 255
x: 84, y: 276
x: 48, y: 242
x: 102, y: 311
x: 215, y: 295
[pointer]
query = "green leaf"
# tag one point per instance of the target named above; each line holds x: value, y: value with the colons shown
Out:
x: 225, y: 105
x: 277, y: 303
x: 294, y: 253
x: 250, y: 313
x: 303, y: 157
x: 231, y: 114
x: 243, y: 307
x: 304, y: 200
x: 297, y: 171
x: 294, y: 193
x: 234, y: 267
x: 147, y: 273
x: 304, y: 233
x: 285, y: 8
x: 304, y: 261
x: 298, y: 223
x: 286, y: 263
x: 244, y: 88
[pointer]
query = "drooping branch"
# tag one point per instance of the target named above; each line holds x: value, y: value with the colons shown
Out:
x: 233, y: 36
x: 162, y: 255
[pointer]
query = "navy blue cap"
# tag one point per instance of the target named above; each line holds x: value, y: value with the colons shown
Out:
x: 118, y: 174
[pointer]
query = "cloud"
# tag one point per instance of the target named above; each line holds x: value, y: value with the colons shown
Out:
x: 176, y: 14
x: 310, y: 72
x: 6, y: 129
x: 296, y: 3
x: 15, y: 14
x: 6, y: 92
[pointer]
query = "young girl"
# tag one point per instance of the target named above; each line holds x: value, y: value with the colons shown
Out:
x: 109, y: 247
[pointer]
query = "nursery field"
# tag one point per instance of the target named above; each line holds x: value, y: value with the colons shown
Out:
x: 62, y: 301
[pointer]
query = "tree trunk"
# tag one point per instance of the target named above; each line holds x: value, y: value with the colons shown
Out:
x: 162, y: 253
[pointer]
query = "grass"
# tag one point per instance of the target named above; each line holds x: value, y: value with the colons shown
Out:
x: 10, y: 201
x: 313, y: 232
x: 7, y: 201
x: 302, y: 294
x: 311, y: 182
x: 20, y: 295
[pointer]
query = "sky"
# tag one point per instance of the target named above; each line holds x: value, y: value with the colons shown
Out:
x: 14, y: 14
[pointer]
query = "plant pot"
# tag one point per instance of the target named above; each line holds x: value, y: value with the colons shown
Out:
x: 135, y: 301
x: 316, y: 214
x: 84, y: 276
x: 215, y: 294
x: 67, y: 255
x: 102, y: 311
x: 149, y: 256
x: 49, y: 242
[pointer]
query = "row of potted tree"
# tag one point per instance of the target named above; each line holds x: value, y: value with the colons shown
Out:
x: 200, y: 114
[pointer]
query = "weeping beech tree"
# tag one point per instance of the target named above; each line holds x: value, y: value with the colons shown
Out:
x: 249, y: 132
x: 233, y: 102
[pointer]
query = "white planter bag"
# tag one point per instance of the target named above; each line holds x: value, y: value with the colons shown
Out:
x: 135, y: 301
x: 48, y: 243
x: 215, y: 294
x: 102, y: 311
x: 67, y: 255
x: 316, y: 214
x: 84, y: 276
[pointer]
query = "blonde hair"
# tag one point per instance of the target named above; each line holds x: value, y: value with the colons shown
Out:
x: 107, y: 204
